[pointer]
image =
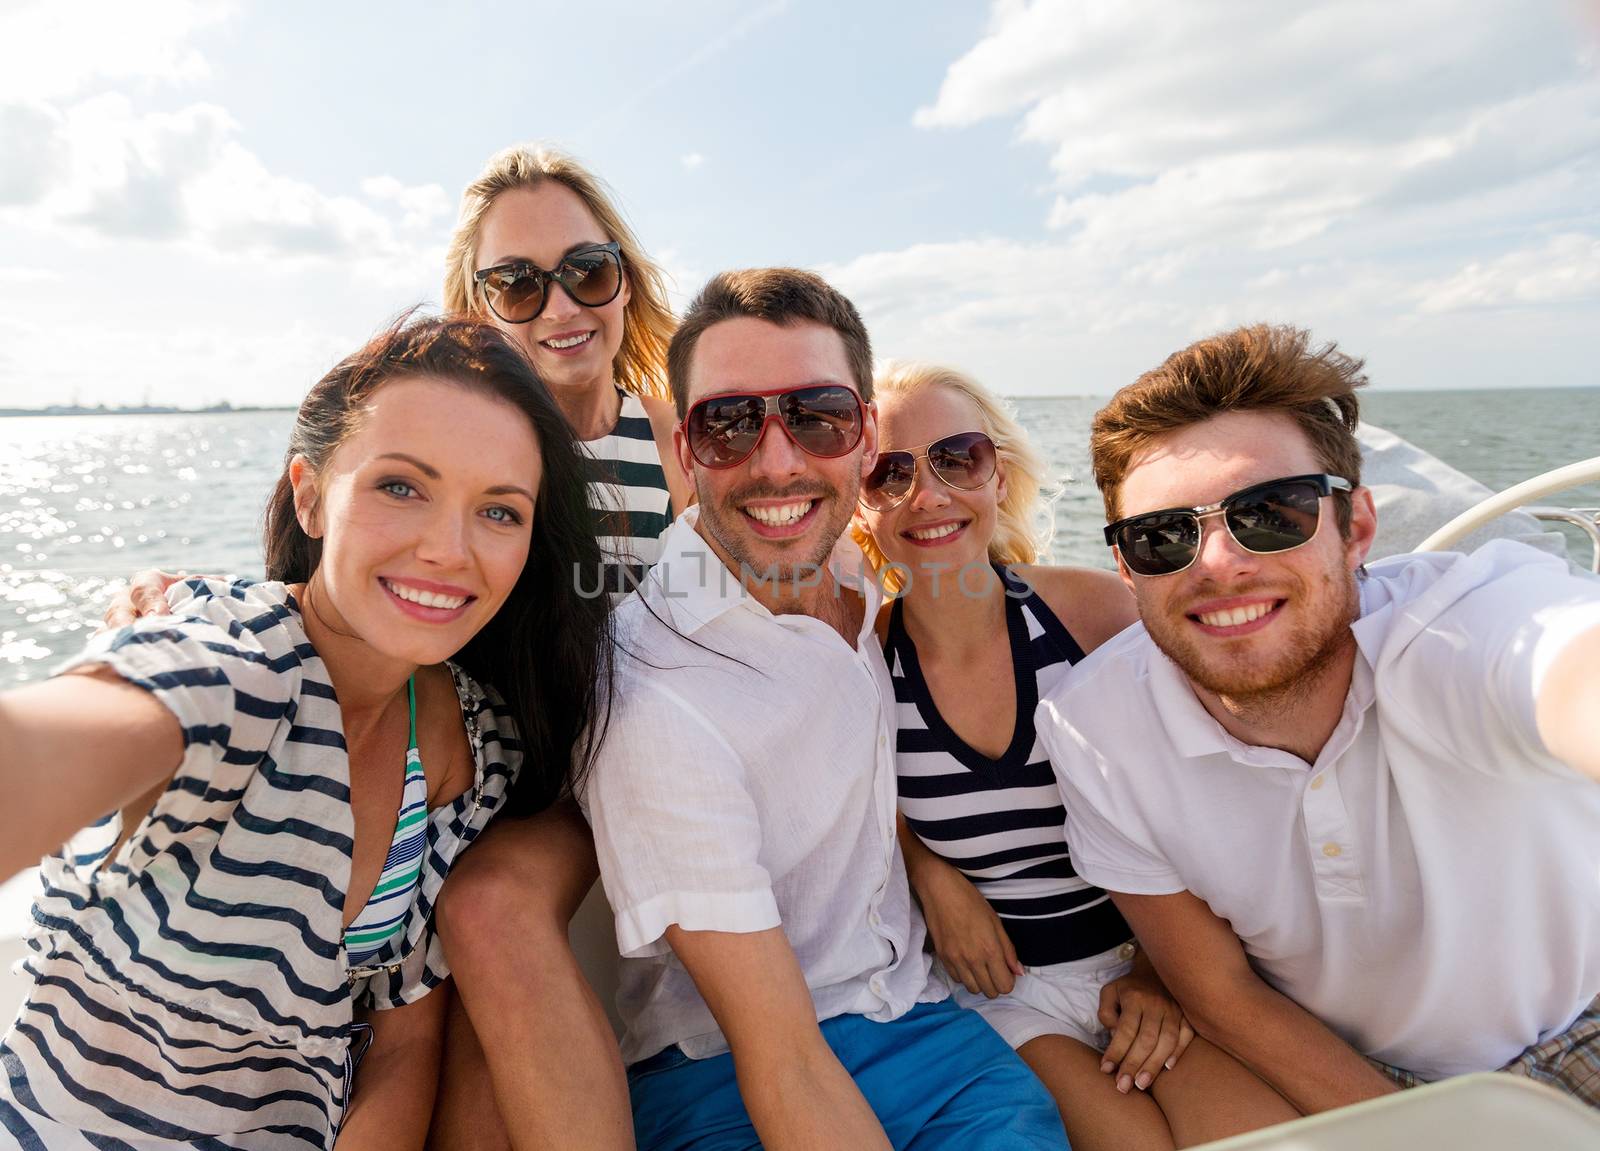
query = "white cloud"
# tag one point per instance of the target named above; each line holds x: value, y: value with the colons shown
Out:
x: 1363, y: 168
x: 50, y: 50
x: 1565, y: 270
x: 1270, y: 123
x: 691, y: 160
x: 103, y: 167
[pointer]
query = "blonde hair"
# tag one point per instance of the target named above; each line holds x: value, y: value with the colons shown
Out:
x: 1024, y: 521
x: 640, y: 366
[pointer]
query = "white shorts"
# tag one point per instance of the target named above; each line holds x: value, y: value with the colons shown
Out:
x: 1061, y: 999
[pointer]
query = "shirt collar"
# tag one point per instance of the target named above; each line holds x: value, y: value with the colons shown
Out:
x: 1194, y: 732
x: 696, y: 588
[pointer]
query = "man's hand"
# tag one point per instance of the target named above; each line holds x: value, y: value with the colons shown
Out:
x: 798, y: 1094
x: 967, y: 935
x: 1148, y: 1028
x: 146, y: 594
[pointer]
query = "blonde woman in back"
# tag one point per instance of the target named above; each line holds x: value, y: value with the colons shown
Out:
x: 542, y: 250
x: 952, y: 513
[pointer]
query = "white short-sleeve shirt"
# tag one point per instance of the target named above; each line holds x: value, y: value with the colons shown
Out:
x: 1430, y: 886
x: 747, y: 782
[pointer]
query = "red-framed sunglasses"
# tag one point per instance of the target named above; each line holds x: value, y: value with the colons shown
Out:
x: 823, y: 420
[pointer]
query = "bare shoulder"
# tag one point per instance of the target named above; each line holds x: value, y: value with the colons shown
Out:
x: 663, y: 419
x: 1093, y: 604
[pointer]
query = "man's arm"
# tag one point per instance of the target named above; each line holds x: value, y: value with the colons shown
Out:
x: 1204, y: 966
x: 800, y: 1098
x: 1568, y: 707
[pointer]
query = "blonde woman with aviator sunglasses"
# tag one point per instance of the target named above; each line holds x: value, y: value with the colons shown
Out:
x: 953, y: 516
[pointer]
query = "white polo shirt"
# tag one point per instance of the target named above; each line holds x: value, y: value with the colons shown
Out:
x: 1430, y: 886
x: 747, y: 782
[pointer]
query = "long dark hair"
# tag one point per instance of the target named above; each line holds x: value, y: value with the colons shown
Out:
x: 547, y: 650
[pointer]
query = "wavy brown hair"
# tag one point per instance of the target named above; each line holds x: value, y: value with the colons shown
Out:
x: 547, y: 650
x: 641, y: 364
x: 1261, y: 368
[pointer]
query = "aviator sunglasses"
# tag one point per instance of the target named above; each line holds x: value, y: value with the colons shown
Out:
x: 823, y: 420
x: 964, y: 461
x: 1275, y: 516
x: 518, y: 291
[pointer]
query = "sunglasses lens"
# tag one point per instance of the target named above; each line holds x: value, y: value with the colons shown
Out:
x: 824, y: 421
x: 889, y: 480
x: 1159, y: 544
x: 515, y: 296
x: 1275, y: 518
x: 725, y: 429
x: 964, y: 461
x: 593, y: 277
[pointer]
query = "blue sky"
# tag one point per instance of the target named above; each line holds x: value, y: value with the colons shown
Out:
x: 215, y: 201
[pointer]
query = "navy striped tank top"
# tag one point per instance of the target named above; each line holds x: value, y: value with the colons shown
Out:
x: 1000, y: 821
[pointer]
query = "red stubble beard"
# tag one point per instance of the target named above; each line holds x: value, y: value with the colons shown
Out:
x: 1287, y: 660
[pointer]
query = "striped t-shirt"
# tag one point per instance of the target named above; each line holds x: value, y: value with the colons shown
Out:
x: 1001, y: 821
x: 191, y: 985
x: 628, y: 492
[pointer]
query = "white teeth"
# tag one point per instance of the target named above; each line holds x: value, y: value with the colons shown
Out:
x: 781, y: 515
x: 425, y: 598
x: 934, y: 533
x: 569, y: 341
x: 1233, y: 617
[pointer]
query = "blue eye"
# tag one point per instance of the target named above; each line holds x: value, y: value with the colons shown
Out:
x: 503, y: 515
x: 398, y: 488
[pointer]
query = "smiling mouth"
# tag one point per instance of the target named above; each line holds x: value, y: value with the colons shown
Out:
x: 566, y: 343
x: 927, y: 535
x: 426, y: 598
x: 780, y: 515
x: 1239, y: 616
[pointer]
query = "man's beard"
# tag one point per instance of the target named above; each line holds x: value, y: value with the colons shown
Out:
x: 1294, y: 667
x: 727, y: 526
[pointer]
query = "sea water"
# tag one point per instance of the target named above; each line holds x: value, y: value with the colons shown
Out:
x: 87, y: 500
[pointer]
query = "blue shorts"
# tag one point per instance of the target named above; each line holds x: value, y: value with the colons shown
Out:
x: 938, y: 1078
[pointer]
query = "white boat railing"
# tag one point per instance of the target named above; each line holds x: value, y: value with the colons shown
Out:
x: 1520, y: 495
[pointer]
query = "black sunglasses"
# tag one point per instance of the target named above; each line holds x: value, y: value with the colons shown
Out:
x: 964, y: 461
x: 823, y: 420
x: 1275, y: 516
x: 518, y: 291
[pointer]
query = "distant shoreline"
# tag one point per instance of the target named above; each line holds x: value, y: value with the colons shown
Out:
x: 222, y: 409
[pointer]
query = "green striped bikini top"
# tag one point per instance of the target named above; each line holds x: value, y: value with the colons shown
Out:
x: 376, y: 931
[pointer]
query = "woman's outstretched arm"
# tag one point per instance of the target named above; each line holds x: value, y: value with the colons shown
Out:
x: 73, y: 749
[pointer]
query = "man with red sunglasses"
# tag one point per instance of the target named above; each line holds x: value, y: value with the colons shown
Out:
x: 1352, y: 814
x: 775, y: 988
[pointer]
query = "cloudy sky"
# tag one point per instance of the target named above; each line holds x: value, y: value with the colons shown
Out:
x: 204, y: 201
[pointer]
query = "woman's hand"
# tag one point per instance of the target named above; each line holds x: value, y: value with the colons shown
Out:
x: 967, y: 935
x: 1148, y: 1028
x: 146, y: 594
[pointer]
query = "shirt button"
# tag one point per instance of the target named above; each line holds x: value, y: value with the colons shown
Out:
x: 1332, y: 850
x: 875, y: 919
x: 876, y: 983
x: 1316, y: 784
x: 1126, y: 951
